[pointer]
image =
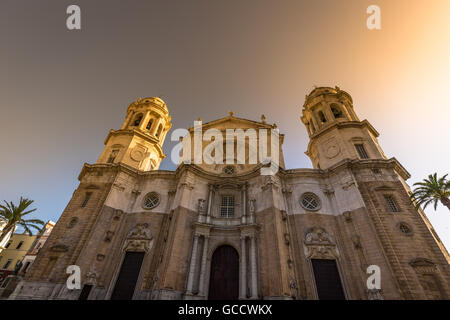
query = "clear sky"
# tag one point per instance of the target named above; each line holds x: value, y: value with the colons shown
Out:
x: 61, y: 91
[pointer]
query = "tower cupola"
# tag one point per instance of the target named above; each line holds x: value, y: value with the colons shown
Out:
x: 139, y: 141
x: 334, y: 129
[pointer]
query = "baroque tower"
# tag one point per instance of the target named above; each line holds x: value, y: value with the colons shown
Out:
x: 139, y: 141
x: 335, y: 131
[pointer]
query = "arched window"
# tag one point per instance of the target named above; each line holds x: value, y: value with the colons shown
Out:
x: 227, y: 207
x: 113, y: 156
x: 337, y: 113
x: 149, y: 124
x: 158, y: 133
x: 322, y: 117
x: 137, y: 120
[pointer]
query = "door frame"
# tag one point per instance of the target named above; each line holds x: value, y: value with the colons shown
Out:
x: 313, y: 278
x: 211, y: 251
x: 115, y: 276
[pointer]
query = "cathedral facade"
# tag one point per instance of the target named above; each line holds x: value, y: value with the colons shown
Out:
x: 225, y: 231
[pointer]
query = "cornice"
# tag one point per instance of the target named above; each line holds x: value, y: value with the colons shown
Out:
x: 140, y: 134
x: 391, y: 163
x: 121, y: 167
x: 341, y: 125
x: 218, y: 178
x: 241, y: 179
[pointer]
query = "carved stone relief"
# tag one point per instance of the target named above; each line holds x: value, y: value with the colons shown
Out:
x: 319, y: 245
x: 140, y: 238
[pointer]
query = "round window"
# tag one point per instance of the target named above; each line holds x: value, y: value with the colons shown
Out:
x: 72, y: 222
x: 404, y: 228
x: 151, y: 200
x: 310, y: 201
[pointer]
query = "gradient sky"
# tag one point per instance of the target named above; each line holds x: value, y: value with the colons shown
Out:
x: 61, y: 91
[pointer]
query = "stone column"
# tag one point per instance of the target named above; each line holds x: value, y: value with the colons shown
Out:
x: 127, y: 120
x: 244, y: 202
x: 144, y: 121
x: 201, y: 211
x: 243, y: 288
x: 193, y: 265
x: 254, y: 268
x: 155, y: 126
x: 251, y: 204
x: 202, y: 281
x: 208, y: 212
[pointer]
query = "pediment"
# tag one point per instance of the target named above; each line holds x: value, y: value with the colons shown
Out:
x: 232, y: 122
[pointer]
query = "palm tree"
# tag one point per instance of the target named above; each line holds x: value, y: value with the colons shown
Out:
x: 14, y: 215
x: 432, y: 190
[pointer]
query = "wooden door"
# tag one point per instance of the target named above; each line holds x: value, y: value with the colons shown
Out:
x: 224, y: 279
x: 328, y: 281
x: 128, y: 276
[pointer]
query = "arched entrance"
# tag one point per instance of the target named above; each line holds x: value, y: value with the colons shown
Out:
x: 224, y: 279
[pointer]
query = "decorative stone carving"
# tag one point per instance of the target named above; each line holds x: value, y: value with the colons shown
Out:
x: 319, y: 245
x: 251, y: 206
x: 327, y: 190
x: 119, y: 186
x: 140, y: 231
x: 136, y: 192
x: 91, y: 278
x: 187, y: 185
x: 201, y: 205
x: 374, y: 294
x: 108, y: 236
x: 318, y: 236
x: 117, y: 214
x: 137, y: 153
x: 423, y: 266
x: 287, y: 190
x: 290, y: 262
x: 140, y: 238
x: 292, y: 284
x: 347, y: 182
x: 356, y: 241
x: 271, y: 181
x: 348, y: 216
x: 332, y: 151
x: 287, y: 238
x: 59, y: 248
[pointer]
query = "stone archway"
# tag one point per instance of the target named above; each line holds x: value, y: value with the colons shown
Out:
x: 224, y: 278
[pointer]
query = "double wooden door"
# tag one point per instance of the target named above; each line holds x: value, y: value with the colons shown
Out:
x: 224, y: 279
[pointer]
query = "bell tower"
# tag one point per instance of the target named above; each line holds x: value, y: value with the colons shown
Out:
x: 335, y: 131
x: 139, y: 141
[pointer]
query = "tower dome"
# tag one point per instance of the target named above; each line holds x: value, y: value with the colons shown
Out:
x: 325, y: 106
x: 149, y: 101
x: 139, y: 141
x: 335, y: 131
